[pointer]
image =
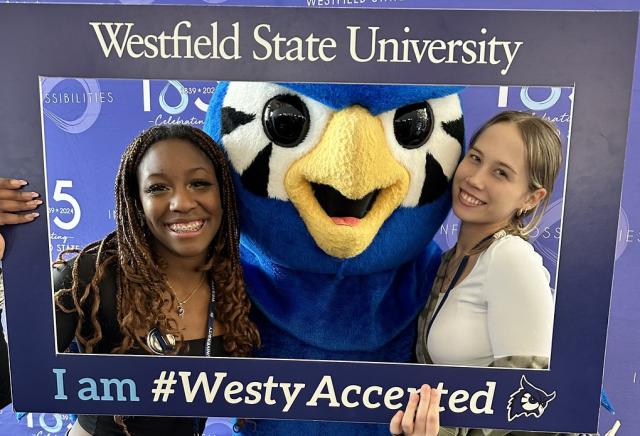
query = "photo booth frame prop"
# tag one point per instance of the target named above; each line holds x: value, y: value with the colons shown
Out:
x: 594, y: 52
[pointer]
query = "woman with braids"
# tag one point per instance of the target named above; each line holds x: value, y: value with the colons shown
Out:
x: 168, y: 280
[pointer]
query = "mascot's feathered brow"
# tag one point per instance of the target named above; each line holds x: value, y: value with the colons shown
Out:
x: 341, y: 189
x: 528, y: 400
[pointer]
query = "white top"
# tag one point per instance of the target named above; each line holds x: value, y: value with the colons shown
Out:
x: 504, y: 307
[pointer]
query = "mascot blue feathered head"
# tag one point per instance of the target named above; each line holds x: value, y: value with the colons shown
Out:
x: 339, y: 178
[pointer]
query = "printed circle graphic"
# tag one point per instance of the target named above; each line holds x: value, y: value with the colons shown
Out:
x: 623, y: 229
x: 536, y: 105
x: 551, y: 216
x: 91, y: 111
x: 55, y: 428
x: 220, y: 427
x: 204, y: 107
x: 184, y: 98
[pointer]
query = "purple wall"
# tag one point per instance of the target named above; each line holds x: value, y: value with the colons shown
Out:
x: 623, y: 347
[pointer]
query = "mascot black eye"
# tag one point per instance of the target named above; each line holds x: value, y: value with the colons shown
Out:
x: 286, y: 120
x: 413, y: 124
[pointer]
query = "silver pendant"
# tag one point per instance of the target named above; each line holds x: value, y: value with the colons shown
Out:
x: 159, y: 343
x: 180, y: 310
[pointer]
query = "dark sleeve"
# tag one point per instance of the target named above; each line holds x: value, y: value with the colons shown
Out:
x: 65, y: 322
x: 5, y: 385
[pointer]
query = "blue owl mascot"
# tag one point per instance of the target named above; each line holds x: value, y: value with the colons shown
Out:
x: 341, y: 189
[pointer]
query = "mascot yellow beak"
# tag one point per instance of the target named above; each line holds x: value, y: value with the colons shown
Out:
x: 348, y: 184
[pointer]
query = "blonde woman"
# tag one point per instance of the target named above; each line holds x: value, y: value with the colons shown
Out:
x: 491, y: 304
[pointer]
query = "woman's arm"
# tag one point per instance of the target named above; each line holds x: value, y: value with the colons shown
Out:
x: 12, y: 201
x: 520, y: 306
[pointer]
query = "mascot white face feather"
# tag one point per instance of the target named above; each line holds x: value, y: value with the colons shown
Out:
x: 339, y: 172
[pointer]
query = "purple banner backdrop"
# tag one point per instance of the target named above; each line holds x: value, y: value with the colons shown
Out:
x: 88, y: 122
x: 162, y: 103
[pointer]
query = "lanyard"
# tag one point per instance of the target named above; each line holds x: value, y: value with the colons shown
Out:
x: 456, y: 276
x: 210, y: 320
x: 454, y: 281
x: 208, y: 341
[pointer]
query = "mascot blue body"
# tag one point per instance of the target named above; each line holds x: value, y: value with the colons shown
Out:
x: 341, y: 189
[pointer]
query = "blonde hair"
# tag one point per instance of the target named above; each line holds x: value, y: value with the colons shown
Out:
x: 543, y: 157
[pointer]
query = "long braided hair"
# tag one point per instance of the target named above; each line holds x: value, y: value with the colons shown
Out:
x: 142, y: 293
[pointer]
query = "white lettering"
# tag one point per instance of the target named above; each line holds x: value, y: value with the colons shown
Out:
x: 456, y: 398
x: 116, y: 45
x: 345, y: 396
x: 374, y: 45
x: 329, y: 395
x: 253, y: 389
x: 177, y: 44
x: 393, y: 394
x: 263, y: 42
x: 367, y: 393
x: 231, y: 389
x: 201, y: 381
x: 488, y: 400
x: 290, y: 397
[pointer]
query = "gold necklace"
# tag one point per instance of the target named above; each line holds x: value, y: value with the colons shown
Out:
x: 180, y: 309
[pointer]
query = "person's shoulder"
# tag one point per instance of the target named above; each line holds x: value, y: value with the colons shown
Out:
x: 512, y: 246
x: 511, y: 253
x: 85, y: 259
x: 63, y: 269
